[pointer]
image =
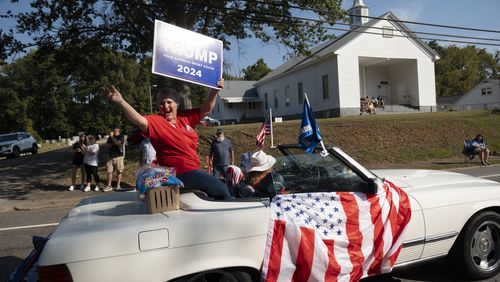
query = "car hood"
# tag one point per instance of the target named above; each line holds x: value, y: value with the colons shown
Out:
x: 434, y: 188
x: 118, y: 224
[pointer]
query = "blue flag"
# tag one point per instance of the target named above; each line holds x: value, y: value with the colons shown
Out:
x: 309, y: 135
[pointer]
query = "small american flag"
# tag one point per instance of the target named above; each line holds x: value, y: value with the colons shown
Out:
x: 337, y: 236
x: 265, y: 129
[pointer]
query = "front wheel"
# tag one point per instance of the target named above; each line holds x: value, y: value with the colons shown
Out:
x: 34, y: 149
x: 477, y: 250
x: 221, y: 275
x: 16, y: 152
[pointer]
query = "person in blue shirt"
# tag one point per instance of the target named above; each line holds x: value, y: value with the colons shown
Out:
x: 479, y: 147
x: 221, y: 154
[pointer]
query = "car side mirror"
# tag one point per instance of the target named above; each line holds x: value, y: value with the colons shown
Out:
x: 374, y: 185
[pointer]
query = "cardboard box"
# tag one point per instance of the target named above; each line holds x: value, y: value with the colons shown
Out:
x: 162, y: 199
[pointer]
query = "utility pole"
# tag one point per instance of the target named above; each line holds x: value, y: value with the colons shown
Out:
x: 151, y: 99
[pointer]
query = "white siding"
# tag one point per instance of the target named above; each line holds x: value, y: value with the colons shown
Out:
x: 349, y: 77
x: 222, y: 111
x: 311, y: 79
x: 349, y: 86
x: 377, y: 46
x: 474, y: 100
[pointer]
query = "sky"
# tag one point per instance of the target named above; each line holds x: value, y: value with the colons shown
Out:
x: 481, y: 14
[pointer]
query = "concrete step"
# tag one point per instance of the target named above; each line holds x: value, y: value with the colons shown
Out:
x: 395, y: 109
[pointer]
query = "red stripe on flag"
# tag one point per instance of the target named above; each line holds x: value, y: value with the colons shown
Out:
x: 393, y: 212
x: 378, y: 234
x: 333, y: 269
x: 305, y: 255
x: 404, y: 216
x: 274, y: 266
x: 354, y: 235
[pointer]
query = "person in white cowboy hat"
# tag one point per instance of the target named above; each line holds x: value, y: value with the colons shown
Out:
x: 259, y: 176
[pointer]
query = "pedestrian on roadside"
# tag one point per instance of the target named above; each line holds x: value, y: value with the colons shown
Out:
x: 91, y: 163
x: 173, y: 136
x: 115, y: 144
x: 78, y: 155
x: 221, y: 154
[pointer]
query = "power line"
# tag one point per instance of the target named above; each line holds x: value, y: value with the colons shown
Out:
x: 379, y: 18
x: 358, y: 31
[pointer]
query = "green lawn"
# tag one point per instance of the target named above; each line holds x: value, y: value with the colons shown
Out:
x: 417, y: 140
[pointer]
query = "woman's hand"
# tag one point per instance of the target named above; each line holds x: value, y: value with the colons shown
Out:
x: 114, y: 95
x: 220, y: 83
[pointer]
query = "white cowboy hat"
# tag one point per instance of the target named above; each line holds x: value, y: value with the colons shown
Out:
x: 260, y: 161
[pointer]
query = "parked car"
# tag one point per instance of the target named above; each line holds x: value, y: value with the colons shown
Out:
x: 112, y: 238
x: 13, y: 144
x: 208, y: 121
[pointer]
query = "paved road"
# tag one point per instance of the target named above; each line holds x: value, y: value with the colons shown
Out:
x: 37, y: 180
x: 16, y: 243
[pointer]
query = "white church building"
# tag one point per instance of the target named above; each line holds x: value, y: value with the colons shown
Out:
x: 380, y: 57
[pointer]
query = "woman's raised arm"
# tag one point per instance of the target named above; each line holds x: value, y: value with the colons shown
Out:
x: 116, y: 97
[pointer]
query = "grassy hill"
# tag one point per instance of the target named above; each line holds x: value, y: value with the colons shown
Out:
x: 380, y: 139
x: 377, y: 141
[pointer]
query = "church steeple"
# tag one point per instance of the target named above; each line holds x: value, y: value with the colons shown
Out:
x: 359, y: 14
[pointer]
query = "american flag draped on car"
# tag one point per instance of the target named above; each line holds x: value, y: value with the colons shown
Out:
x: 337, y: 236
x: 265, y: 129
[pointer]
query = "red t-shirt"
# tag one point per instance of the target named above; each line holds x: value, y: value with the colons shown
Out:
x: 175, y: 145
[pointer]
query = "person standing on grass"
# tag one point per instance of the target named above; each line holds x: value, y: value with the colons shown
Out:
x: 91, y: 164
x: 78, y: 149
x: 115, y: 144
x: 221, y: 154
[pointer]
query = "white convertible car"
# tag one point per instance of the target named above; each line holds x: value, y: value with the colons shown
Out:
x: 112, y: 238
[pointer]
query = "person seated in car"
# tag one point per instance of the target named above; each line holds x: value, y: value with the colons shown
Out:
x: 259, y: 180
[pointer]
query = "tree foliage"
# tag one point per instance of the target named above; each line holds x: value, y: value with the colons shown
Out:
x: 461, y: 68
x: 61, y: 94
x: 256, y: 71
x: 127, y: 25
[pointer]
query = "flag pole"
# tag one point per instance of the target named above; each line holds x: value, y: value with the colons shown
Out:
x: 271, y: 123
x: 323, y: 153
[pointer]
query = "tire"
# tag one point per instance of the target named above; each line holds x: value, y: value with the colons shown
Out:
x: 221, y: 275
x: 34, y: 149
x: 477, y: 250
x: 16, y: 152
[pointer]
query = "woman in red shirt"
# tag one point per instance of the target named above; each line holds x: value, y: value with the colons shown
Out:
x: 172, y: 134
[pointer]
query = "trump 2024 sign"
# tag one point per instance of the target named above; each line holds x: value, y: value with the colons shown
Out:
x: 182, y: 54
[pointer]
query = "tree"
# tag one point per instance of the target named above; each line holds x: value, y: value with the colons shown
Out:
x: 63, y: 91
x: 39, y: 84
x: 461, y: 68
x: 256, y: 71
x: 128, y: 25
x: 13, y: 115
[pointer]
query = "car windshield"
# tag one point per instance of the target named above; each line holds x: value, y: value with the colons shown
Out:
x: 303, y: 173
x: 8, y: 137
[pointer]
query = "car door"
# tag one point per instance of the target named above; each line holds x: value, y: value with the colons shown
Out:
x: 25, y: 141
x: 19, y: 141
x: 315, y: 173
x: 413, y: 245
